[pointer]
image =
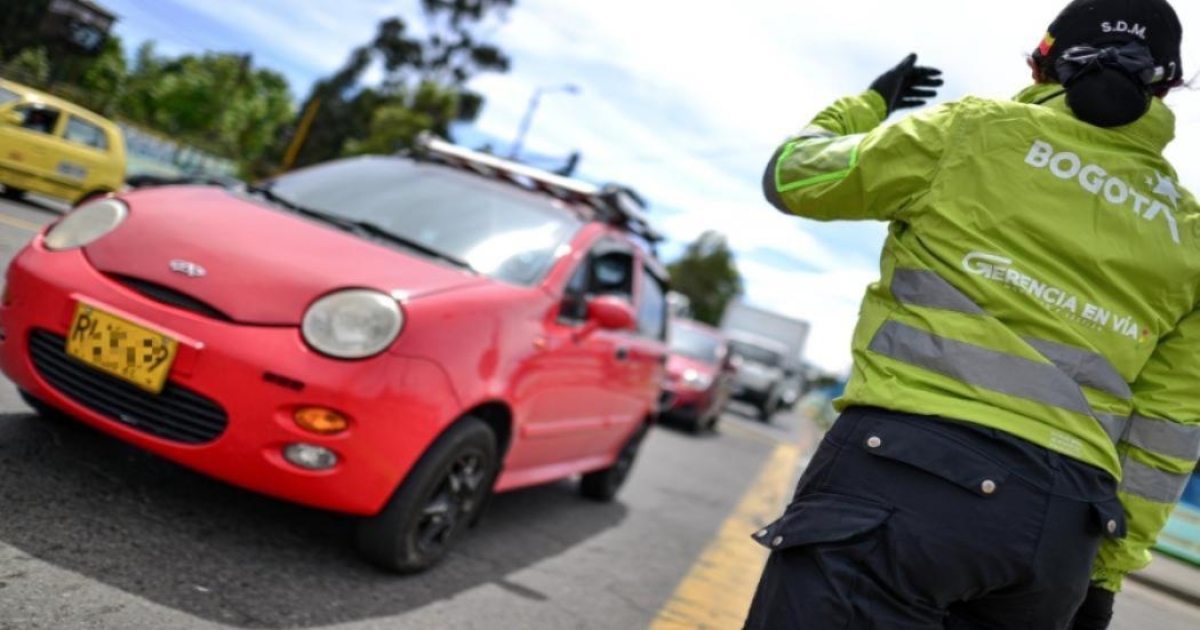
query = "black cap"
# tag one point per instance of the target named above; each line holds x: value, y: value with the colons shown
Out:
x: 1102, y: 23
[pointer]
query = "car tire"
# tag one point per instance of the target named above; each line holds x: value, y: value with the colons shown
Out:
x: 713, y: 421
x: 441, y: 496
x: 767, y: 409
x: 15, y: 194
x: 602, y: 485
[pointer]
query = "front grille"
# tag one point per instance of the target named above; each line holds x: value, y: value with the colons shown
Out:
x: 169, y: 296
x: 175, y: 414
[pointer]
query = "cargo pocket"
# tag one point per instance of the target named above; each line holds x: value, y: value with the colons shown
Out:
x: 938, y: 455
x: 822, y: 518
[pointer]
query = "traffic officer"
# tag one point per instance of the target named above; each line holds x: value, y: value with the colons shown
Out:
x: 1024, y: 405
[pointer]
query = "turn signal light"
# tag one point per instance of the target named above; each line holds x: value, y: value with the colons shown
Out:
x: 321, y: 420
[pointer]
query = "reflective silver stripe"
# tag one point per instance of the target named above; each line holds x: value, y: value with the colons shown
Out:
x: 814, y: 132
x: 980, y: 366
x: 926, y: 288
x: 1087, y: 368
x: 1141, y: 480
x: 1113, y: 424
x: 1164, y: 437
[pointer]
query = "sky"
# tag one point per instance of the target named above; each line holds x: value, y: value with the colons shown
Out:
x: 685, y: 101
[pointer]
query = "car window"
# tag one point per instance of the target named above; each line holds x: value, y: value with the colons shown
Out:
x: 8, y: 96
x: 756, y: 354
x: 503, y: 231
x: 695, y: 343
x: 85, y: 133
x: 38, y: 118
x: 607, y: 270
x: 652, y: 307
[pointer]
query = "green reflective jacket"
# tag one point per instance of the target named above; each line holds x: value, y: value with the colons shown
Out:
x: 1040, y: 276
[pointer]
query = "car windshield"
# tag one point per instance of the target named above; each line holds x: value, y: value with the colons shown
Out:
x: 695, y: 343
x: 498, y: 229
x: 8, y: 96
x: 755, y: 354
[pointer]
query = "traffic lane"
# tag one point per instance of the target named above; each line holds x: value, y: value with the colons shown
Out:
x: 82, y: 502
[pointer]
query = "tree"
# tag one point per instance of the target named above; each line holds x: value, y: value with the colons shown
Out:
x: 31, y: 64
x: 396, y: 123
x: 708, y: 276
x: 424, y: 86
x: 218, y: 101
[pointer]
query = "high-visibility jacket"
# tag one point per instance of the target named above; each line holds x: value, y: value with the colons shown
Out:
x: 1040, y: 276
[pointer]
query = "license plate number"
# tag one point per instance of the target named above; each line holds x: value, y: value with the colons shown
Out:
x: 119, y: 347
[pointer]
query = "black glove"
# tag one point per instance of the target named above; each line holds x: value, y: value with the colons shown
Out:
x: 907, y: 84
x: 1096, y: 611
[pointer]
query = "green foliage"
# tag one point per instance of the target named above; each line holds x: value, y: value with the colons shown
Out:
x: 423, y: 88
x: 216, y: 100
x: 707, y: 274
x: 396, y: 123
x: 32, y: 63
x: 104, y: 78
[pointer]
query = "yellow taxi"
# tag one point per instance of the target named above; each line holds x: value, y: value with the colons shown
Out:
x: 56, y: 148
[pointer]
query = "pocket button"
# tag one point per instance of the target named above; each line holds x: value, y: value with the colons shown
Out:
x: 988, y: 486
x: 874, y: 441
x: 778, y: 540
x: 1111, y: 526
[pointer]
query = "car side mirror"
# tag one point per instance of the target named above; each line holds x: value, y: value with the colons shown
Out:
x: 610, y: 313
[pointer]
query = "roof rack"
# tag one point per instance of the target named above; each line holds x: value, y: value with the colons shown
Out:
x: 617, y: 205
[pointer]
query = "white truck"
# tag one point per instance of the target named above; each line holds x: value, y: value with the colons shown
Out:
x: 770, y: 348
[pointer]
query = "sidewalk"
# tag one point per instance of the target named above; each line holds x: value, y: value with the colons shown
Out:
x: 1170, y: 576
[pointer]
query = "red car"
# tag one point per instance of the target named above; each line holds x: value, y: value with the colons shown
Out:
x: 699, y: 375
x: 388, y: 337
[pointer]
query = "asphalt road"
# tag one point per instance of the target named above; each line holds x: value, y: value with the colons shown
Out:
x: 96, y: 534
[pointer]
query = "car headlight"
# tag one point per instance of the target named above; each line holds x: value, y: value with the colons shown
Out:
x: 86, y: 224
x: 696, y: 380
x: 352, y: 324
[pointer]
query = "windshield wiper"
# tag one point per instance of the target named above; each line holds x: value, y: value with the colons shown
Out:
x: 266, y: 193
x: 359, y: 227
x: 378, y: 231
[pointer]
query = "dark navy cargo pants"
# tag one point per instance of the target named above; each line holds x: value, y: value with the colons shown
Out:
x: 904, y: 521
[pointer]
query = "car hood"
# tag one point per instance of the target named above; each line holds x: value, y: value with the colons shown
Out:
x: 252, y: 263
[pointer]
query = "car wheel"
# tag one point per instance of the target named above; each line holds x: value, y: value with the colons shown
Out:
x: 440, y: 497
x: 602, y: 485
x: 713, y: 420
x: 767, y: 409
x: 13, y: 193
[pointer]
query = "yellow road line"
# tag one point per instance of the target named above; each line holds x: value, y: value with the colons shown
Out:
x: 717, y: 591
x: 20, y: 223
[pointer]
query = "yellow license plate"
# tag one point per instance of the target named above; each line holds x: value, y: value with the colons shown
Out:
x: 121, y: 348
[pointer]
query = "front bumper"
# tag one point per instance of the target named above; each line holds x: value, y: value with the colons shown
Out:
x: 682, y: 403
x: 241, y: 384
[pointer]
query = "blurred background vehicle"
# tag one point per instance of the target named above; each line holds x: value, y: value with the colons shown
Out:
x: 771, y: 374
x: 56, y: 148
x: 700, y: 373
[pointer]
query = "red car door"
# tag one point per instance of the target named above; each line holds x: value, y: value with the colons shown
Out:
x: 571, y: 390
x: 648, y: 351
